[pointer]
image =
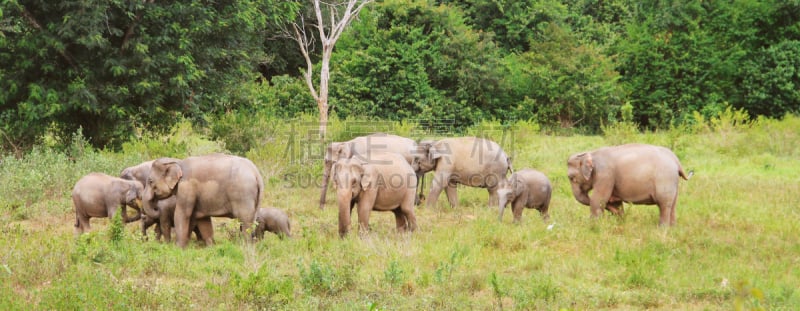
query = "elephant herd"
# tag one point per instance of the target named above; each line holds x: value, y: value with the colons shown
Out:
x: 378, y: 172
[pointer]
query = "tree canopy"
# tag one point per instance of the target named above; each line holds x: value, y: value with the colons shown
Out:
x: 116, y: 67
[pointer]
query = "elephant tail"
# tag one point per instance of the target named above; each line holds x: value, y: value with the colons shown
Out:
x: 684, y: 175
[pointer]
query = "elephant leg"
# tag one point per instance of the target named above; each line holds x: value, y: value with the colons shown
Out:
x: 599, y: 199
x: 181, y: 218
x: 205, y: 231
x: 82, y: 224
x: 615, y: 208
x: 246, y: 213
x: 437, y: 184
x: 666, y: 209
x: 400, y: 219
x: 363, y: 218
x: 452, y: 194
x: 517, y: 208
x: 344, y: 219
x: 494, y: 200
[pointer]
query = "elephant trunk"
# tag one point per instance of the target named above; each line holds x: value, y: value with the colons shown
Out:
x: 324, y: 191
x: 345, y: 200
x: 149, y: 204
x: 580, y: 195
x: 503, y: 201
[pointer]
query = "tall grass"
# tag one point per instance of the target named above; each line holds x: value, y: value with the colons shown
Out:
x: 734, y: 247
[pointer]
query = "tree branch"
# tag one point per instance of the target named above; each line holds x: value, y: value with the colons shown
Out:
x: 35, y: 24
x: 129, y: 31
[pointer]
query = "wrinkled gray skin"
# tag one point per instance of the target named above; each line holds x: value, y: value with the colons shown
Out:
x: 215, y: 185
x: 272, y: 220
x: 140, y: 173
x: 526, y: 188
x: 162, y: 216
x: 99, y: 195
x: 635, y: 173
x: 470, y: 161
x: 361, y: 148
x: 385, y: 183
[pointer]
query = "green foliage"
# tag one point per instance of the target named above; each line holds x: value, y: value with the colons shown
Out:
x: 413, y: 60
x: 394, y: 274
x: 116, y: 229
x: 112, y: 66
x: 262, y: 289
x: 319, y: 279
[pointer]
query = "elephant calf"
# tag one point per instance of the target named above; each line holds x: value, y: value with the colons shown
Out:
x: 272, y: 220
x: 99, y: 195
x: 526, y: 188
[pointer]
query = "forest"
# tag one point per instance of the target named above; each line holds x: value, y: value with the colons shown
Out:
x: 117, y: 69
x: 103, y: 86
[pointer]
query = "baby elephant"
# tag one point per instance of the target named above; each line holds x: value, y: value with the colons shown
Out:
x: 99, y: 195
x: 272, y: 220
x: 526, y: 188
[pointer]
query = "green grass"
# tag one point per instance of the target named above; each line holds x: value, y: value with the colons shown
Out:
x: 735, y: 244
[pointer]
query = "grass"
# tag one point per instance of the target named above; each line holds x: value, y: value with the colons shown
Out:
x: 735, y: 245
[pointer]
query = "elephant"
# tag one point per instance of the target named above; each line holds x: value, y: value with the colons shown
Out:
x: 634, y: 173
x: 362, y: 147
x: 273, y: 220
x: 384, y: 183
x: 166, y: 207
x: 526, y: 188
x: 215, y: 185
x: 470, y: 161
x: 99, y: 195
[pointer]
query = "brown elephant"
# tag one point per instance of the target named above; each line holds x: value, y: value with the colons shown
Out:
x: 526, y: 188
x: 99, y: 195
x: 470, y: 161
x: 362, y: 147
x: 215, y: 185
x: 273, y: 220
x: 384, y: 183
x: 635, y: 173
x: 165, y: 207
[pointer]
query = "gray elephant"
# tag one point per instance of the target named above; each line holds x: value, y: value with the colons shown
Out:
x: 161, y: 213
x: 99, y: 195
x: 166, y: 207
x: 361, y: 148
x: 526, y: 188
x: 470, y: 161
x: 216, y: 185
x: 273, y: 220
x: 635, y: 173
x: 384, y: 183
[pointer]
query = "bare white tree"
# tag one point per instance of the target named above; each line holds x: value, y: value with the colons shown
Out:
x: 338, y: 15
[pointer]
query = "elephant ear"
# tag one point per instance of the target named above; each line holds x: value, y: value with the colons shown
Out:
x: 333, y: 152
x: 366, y: 177
x: 134, y: 191
x: 517, y: 184
x: 172, y: 172
x: 587, y: 166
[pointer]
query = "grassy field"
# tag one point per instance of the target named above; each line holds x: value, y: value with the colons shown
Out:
x: 735, y: 246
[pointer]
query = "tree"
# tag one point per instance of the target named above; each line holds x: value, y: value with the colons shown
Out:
x: 112, y: 67
x: 338, y: 15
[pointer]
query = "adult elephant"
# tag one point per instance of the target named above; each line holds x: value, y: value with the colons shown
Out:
x: 100, y: 195
x: 635, y: 173
x: 362, y: 148
x: 384, y: 183
x: 159, y: 212
x: 470, y: 161
x: 216, y: 185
